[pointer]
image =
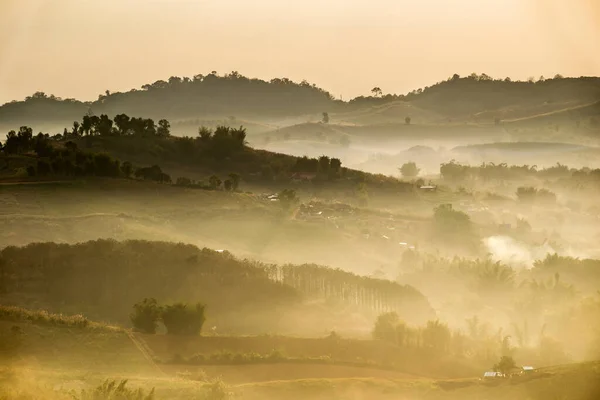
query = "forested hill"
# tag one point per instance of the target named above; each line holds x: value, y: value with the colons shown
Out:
x: 236, y: 95
x: 104, y: 278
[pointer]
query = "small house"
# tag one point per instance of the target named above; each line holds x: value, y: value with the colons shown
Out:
x: 492, y: 374
x: 526, y: 369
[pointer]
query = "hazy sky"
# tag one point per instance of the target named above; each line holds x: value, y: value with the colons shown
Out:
x: 80, y: 48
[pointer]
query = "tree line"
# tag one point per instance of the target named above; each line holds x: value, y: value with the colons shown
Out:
x: 104, y: 277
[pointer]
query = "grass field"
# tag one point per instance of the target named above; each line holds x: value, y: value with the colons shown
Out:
x: 56, y: 358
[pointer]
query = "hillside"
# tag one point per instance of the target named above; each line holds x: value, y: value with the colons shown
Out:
x: 104, y: 278
x: 474, y: 98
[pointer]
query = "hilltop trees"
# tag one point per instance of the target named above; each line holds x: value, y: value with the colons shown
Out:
x: 377, y: 92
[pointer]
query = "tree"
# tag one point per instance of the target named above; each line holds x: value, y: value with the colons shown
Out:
x: 76, y: 129
x: 179, y: 319
x: 122, y: 122
x: 437, y: 336
x: 183, y: 181
x: 407, y: 120
x: 42, y: 146
x: 235, y: 181
x: 164, y: 128
x: 146, y: 315
x: 214, y: 182
x: 385, y: 327
x: 325, y: 118
x: 324, y: 164
x: 126, y: 169
x: 449, y: 221
x: 377, y: 91
x: 227, y: 185
x: 505, y: 365
x: 409, y: 170
x: 335, y: 165
x: 86, y: 124
x: 205, y: 134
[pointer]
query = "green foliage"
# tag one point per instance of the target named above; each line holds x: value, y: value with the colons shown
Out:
x: 435, y: 336
x: 531, y: 195
x: 153, y: 173
x: 146, y: 315
x: 505, y: 365
x: 450, y: 222
x: 113, y: 390
x: 180, y: 319
x: 235, y: 181
x: 126, y: 169
x: 214, y: 182
x: 409, y: 170
x: 183, y: 181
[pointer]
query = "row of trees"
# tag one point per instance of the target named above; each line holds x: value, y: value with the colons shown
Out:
x: 457, y: 172
x: 377, y: 295
x: 178, y: 318
x: 120, y: 125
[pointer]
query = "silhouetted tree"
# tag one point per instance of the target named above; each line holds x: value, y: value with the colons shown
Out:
x: 122, y: 123
x: 214, y: 182
x: 179, y: 319
x: 164, y: 128
x: 146, y: 315
x: 126, y: 169
x: 325, y: 119
x: 409, y: 170
x: 407, y: 120
x: 235, y: 181
x: 505, y: 365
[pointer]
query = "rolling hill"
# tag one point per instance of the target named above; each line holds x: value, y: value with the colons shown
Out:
x: 281, y: 102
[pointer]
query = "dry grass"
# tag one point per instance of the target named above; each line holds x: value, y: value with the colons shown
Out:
x: 42, y: 317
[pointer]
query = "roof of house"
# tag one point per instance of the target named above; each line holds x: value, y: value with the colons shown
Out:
x: 528, y: 368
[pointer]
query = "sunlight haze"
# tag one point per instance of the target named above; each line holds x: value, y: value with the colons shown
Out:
x: 69, y: 48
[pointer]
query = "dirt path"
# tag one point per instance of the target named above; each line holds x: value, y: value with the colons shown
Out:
x: 142, y: 348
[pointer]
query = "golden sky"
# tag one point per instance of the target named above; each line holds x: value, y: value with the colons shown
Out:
x: 80, y: 48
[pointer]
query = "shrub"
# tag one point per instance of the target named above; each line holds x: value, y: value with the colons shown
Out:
x: 179, y: 319
x: 183, y: 181
x: 409, y: 170
x: 145, y: 315
x: 217, y: 390
x: 111, y: 390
